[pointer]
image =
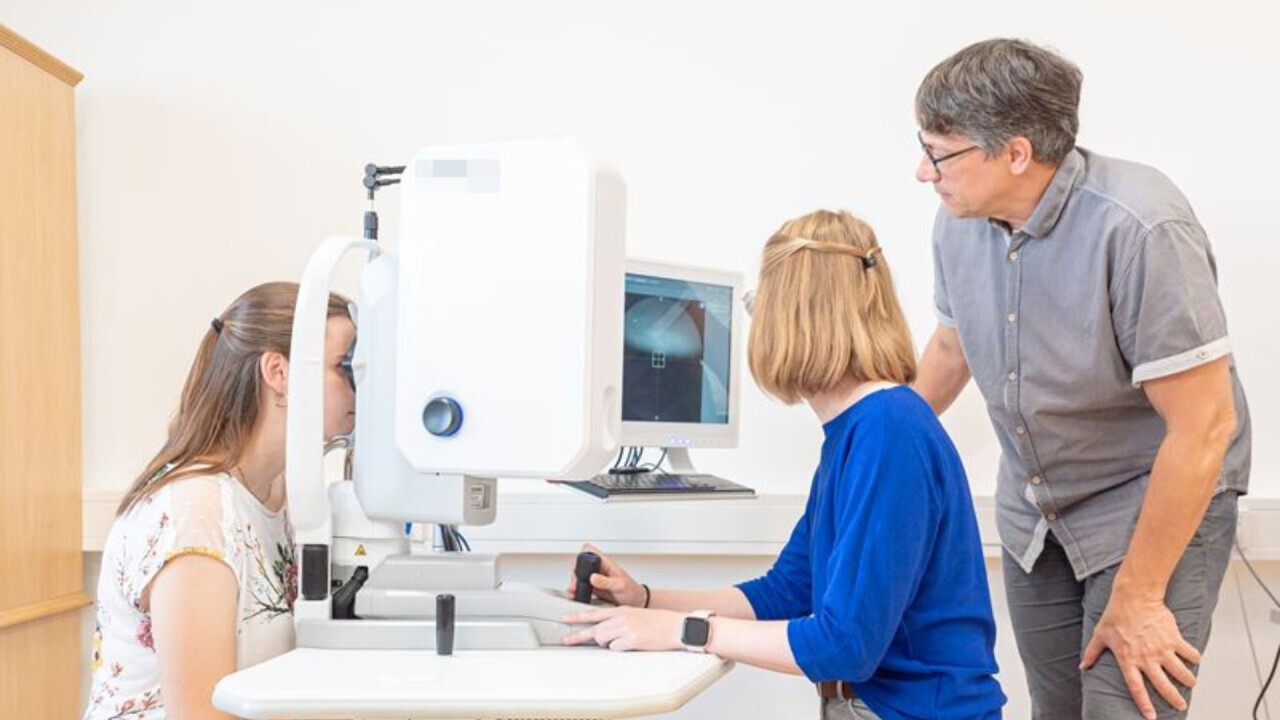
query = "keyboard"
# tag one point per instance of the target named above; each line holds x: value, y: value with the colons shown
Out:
x: 660, y: 485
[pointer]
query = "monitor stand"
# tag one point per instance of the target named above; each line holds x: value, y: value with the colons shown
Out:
x: 678, y: 458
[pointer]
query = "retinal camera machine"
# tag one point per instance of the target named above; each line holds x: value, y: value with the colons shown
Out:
x: 456, y: 388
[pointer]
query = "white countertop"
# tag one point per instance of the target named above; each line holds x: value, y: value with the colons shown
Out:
x: 579, y: 682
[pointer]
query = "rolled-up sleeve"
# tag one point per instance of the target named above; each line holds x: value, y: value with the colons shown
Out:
x: 1167, y: 314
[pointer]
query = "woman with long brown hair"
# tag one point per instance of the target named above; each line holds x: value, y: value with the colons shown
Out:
x: 198, y: 573
x: 880, y: 596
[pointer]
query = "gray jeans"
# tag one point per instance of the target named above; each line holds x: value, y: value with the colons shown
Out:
x: 855, y: 709
x: 1054, y: 615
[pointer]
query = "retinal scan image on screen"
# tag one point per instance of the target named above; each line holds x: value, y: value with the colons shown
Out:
x: 676, y: 351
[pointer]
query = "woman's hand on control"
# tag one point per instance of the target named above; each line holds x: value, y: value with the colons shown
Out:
x: 625, y: 628
x: 612, y: 583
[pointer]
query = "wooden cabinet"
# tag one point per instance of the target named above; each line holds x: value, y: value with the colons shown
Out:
x: 40, y: 419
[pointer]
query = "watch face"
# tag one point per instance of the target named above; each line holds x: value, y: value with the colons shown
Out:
x: 696, y: 631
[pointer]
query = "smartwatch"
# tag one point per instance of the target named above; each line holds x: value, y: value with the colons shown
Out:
x: 695, y: 632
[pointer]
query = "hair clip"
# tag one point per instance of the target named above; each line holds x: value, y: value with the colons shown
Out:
x: 869, y: 260
x: 217, y: 325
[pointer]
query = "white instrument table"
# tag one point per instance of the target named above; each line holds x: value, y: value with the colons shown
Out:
x: 569, y: 682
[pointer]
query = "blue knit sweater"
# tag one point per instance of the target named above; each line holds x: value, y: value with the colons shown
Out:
x: 883, y: 581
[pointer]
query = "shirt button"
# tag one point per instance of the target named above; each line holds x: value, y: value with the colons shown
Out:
x: 1020, y: 430
x: 1036, y: 479
x: 1013, y: 317
x: 1012, y: 376
x: 1013, y: 255
x: 1051, y: 517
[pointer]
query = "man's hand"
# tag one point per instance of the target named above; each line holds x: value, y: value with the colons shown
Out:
x: 627, y: 628
x: 1143, y: 636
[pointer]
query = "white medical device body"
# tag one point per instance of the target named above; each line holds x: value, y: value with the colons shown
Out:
x: 470, y: 365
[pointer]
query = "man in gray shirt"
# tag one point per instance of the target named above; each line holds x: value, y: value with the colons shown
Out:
x: 1080, y: 293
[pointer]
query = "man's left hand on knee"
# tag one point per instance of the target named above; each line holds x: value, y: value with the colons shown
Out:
x: 1144, y: 638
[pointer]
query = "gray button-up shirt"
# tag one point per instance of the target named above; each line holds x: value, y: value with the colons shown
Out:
x: 1111, y: 283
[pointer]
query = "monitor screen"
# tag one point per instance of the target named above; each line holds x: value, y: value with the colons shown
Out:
x: 676, y: 351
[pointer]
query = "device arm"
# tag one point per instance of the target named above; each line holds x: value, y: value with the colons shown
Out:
x: 304, y: 434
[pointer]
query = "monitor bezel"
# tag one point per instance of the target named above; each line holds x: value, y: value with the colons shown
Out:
x: 640, y: 433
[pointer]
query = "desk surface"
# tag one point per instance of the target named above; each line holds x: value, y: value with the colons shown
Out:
x: 581, y: 682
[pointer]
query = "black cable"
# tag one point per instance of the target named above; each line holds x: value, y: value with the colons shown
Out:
x: 631, y: 461
x: 1254, y: 573
x: 1270, y: 676
x: 658, y: 465
x: 453, y: 540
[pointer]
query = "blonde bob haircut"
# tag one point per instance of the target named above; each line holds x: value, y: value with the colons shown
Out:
x: 825, y: 312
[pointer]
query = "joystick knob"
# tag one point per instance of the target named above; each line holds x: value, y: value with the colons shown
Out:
x: 588, y: 564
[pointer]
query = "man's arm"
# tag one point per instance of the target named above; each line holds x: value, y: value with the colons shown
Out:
x: 1198, y: 408
x: 943, y: 371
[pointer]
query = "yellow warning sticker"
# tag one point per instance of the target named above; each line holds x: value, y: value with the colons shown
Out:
x: 360, y: 551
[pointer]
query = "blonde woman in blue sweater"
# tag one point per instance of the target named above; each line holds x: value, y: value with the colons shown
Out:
x: 880, y: 596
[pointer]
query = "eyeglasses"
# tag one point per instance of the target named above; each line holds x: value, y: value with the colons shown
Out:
x: 749, y: 301
x: 936, y: 161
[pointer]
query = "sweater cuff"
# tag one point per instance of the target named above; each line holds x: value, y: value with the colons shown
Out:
x: 758, y: 594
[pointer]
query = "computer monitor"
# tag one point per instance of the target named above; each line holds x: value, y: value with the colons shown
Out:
x: 682, y: 337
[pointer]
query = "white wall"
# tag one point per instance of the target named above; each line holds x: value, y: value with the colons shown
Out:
x: 219, y: 143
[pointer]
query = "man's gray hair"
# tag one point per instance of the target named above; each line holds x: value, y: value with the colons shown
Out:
x: 999, y: 89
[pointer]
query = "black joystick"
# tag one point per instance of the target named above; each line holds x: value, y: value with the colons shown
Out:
x: 588, y: 564
x: 445, y: 624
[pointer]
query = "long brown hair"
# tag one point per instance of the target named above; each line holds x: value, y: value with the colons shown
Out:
x: 219, y: 405
x: 825, y: 310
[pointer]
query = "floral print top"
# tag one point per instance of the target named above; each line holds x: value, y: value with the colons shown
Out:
x: 214, y: 516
